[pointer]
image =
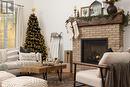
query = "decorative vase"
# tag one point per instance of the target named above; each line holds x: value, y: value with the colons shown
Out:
x: 111, y: 10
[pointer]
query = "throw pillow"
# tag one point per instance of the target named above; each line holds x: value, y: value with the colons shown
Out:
x: 38, y: 57
x: 109, y: 50
x: 27, y: 56
x: 23, y: 50
x: 12, y: 55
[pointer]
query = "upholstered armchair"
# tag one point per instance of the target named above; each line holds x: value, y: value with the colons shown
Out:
x: 96, y: 77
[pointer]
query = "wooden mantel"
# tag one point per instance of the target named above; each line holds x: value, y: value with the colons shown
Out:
x: 97, y: 20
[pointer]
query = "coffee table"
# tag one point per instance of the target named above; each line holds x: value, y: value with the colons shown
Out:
x: 44, y: 70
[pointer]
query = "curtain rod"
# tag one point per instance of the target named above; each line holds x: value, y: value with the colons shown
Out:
x: 19, y: 5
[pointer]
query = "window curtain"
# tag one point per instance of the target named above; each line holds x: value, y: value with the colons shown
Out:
x: 19, y: 27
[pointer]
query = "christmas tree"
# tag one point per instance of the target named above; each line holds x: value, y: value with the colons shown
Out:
x: 34, y: 39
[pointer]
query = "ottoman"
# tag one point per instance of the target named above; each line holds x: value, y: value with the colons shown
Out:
x: 5, y: 75
x: 24, y: 81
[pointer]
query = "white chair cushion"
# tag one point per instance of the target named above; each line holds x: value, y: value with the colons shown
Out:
x: 5, y: 75
x: 89, y: 77
x: 115, y: 57
x: 24, y: 81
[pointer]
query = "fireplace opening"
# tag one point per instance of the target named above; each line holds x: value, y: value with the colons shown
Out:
x: 92, y: 50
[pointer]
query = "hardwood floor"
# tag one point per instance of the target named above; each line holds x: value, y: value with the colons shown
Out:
x: 67, y: 81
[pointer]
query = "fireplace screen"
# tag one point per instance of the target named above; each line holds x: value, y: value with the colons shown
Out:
x: 92, y: 50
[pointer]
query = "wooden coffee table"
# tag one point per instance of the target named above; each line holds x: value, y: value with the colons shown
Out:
x: 44, y: 70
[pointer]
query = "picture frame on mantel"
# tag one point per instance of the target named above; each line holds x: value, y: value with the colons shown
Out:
x: 84, y: 11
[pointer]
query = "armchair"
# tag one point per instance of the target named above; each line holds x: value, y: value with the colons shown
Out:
x: 96, y: 77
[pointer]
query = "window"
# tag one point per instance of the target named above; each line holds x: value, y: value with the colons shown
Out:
x: 7, y: 31
x: 7, y: 25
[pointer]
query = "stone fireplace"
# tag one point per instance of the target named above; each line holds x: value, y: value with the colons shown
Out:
x: 96, y: 36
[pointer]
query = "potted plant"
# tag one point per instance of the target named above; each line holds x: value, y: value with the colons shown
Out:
x: 112, y: 9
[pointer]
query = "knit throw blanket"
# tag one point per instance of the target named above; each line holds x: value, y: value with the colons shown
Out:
x: 118, y: 75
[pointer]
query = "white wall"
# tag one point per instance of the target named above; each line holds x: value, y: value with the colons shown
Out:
x: 52, y: 15
x: 125, y: 4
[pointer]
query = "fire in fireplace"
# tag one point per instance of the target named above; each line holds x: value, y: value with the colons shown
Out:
x: 93, y: 49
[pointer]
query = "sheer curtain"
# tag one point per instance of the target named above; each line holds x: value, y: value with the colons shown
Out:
x: 19, y: 26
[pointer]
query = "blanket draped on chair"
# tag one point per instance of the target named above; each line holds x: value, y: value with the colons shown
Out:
x: 118, y: 75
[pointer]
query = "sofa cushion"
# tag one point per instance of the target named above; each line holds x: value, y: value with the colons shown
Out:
x: 12, y: 54
x: 13, y: 64
x: 12, y: 58
x: 27, y: 56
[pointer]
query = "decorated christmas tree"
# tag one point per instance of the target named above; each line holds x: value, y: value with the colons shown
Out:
x: 34, y: 39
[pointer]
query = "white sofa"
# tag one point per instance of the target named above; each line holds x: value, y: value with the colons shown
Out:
x: 11, y: 60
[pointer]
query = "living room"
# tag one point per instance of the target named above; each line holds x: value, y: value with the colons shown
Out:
x: 61, y: 43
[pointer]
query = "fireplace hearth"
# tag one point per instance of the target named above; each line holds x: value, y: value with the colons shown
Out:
x: 93, y: 49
